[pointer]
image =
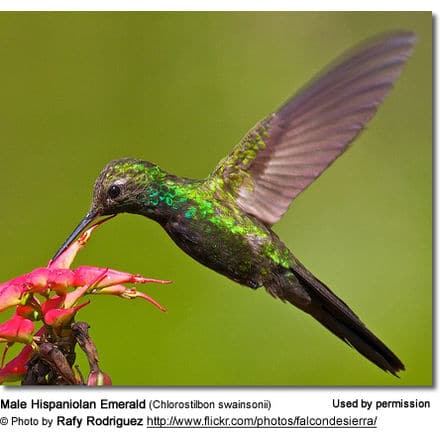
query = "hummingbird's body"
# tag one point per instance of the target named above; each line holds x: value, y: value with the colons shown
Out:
x: 224, y: 221
x: 205, y: 222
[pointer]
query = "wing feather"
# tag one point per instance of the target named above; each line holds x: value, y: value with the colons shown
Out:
x: 287, y: 151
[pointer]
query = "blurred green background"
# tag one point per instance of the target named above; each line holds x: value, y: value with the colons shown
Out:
x: 180, y: 89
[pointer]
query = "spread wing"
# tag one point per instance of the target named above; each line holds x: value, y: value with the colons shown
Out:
x: 287, y: 151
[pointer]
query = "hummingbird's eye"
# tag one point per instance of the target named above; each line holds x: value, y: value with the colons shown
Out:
x: 114, y: 191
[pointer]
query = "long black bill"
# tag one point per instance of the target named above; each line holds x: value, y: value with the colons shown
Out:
x: 86, y: 221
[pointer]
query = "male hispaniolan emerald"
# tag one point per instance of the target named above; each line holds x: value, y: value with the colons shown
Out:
x: 224, y: 221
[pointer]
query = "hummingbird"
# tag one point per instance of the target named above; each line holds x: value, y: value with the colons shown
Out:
x: 225, y: 220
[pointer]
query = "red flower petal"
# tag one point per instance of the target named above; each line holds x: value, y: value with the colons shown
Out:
x: 60, y: 317
x: 10, y: 295
x: 16, y: 368
x: 17, y: 329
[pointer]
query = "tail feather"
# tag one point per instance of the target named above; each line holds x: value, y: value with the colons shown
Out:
x: 337, y: 317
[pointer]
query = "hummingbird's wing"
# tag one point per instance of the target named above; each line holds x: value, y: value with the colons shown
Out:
x: 287, y: 151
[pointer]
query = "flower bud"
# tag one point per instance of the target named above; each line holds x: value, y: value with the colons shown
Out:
x: 98, y: 379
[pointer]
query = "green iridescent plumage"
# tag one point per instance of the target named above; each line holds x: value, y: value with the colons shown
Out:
x: 197, y: 213
x: 224, y: 221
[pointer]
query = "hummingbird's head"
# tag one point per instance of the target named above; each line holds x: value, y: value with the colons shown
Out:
x: 119, y: 188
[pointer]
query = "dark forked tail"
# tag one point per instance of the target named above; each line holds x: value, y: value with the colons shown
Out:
x: 316, y: 299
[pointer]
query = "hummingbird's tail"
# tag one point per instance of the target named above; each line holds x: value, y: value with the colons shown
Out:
x: 303, y: 290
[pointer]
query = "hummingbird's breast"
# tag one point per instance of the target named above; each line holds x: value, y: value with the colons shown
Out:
x: 217, y: 233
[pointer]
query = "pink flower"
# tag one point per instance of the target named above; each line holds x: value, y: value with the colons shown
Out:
x: 57, y: 318
x: 51, y: 295
x: 16, y: 368
x: 10, y: 295
x: 17, y: 329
